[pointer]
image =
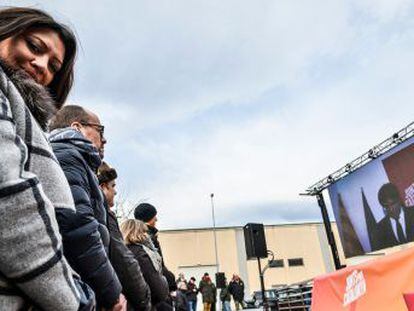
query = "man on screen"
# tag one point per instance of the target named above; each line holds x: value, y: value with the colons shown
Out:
x: 397, y: 225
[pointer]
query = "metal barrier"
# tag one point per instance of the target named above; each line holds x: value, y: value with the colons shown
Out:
x: 293, y: 297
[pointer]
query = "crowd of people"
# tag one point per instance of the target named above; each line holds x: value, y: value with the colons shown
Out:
x: 61, y: 247
x: 187, y: 292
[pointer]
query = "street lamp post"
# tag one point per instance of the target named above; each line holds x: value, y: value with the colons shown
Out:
x: 214, y: 231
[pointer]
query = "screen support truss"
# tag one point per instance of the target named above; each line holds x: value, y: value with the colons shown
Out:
x: 317, y: 188
x: 396, y: 139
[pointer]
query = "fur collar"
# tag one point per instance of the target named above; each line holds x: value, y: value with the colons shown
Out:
x: 35, y: 96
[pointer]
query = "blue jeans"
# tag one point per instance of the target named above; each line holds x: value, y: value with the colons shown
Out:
x: 226, y: 305
x: 192, y: 305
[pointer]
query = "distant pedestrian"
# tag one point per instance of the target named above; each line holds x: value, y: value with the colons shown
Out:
x: 236, y: 289
x: 182, y: 283
x: 181, y: 303
x: 225, y: 297
x: 192, y: 294
x: 208, y: 292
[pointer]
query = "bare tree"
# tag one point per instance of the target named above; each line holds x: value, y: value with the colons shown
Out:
x: 124, y: 206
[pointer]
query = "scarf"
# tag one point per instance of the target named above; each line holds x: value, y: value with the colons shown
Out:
x: 152, y: 253
x: 35, y: 96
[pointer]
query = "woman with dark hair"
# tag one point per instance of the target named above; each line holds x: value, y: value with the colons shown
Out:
x: 19, y: 24
x: 36, y: 72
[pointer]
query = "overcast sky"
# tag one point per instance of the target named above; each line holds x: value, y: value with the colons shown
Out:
x: 251, y: 100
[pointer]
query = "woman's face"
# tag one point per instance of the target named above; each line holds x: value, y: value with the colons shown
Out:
x: 39, y: 52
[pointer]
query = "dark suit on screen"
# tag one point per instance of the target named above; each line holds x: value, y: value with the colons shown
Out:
x: 386, y: 236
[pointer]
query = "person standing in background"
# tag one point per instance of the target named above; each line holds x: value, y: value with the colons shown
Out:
x: 225, y: 297
x: 208, y: 292
x: 181, y: 302
x: 236, y: 289
x: 182, y: 283
x: 192, y: 294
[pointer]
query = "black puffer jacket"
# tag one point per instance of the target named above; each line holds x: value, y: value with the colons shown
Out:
x: 152, y: 272
x: 85, y: 235
x: 127, y: 268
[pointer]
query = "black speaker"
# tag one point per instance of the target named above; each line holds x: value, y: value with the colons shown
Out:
x: 255, y: 240
x: 220, y: 280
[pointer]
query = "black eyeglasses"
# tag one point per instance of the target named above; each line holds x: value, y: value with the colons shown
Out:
x: 99, y: 127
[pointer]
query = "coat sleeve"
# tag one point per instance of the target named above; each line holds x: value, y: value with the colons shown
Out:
x: 31, y: 255
x: 81, y: 239
x: 231, y: 285
x: 170, y: 277
x: 135, y: 289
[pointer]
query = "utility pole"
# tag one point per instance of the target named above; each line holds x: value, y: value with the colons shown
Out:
x: 214, y: 231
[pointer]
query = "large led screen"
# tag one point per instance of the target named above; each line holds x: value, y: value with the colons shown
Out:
x: 374, y: 206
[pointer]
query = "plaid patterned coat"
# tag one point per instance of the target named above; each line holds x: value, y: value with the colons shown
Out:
x: 33, y: 269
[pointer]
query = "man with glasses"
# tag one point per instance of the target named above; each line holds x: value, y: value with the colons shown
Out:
x: 78, y: 142
x: 397, y: 225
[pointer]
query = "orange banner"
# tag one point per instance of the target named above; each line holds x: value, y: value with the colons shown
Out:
x: 383, y: 284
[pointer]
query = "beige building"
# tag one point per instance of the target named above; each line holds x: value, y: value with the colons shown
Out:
x: 302, y: 250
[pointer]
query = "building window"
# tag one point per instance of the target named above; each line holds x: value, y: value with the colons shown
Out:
x: 295, y: 262
x: 276, y: 263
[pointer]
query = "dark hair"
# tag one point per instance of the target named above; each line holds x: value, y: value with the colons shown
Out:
x: 15, y: 21
x: 67, y: 115
x: 106, y: 173
x: 388, y: 191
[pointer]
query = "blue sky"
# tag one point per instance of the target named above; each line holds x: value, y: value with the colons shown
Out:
x: 251, y: 100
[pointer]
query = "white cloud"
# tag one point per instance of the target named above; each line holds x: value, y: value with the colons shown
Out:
x: 275, y: 156
x: 384, y: 10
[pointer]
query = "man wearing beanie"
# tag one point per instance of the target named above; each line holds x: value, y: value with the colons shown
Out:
x: 148, y: 213
x: 127, y: 268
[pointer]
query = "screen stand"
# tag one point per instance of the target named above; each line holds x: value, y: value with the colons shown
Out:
x: 328, y: 229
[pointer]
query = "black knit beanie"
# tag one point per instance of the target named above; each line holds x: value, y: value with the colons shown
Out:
x: 145, y: 212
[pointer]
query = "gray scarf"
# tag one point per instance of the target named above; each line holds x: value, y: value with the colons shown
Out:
x: 152, y: 253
